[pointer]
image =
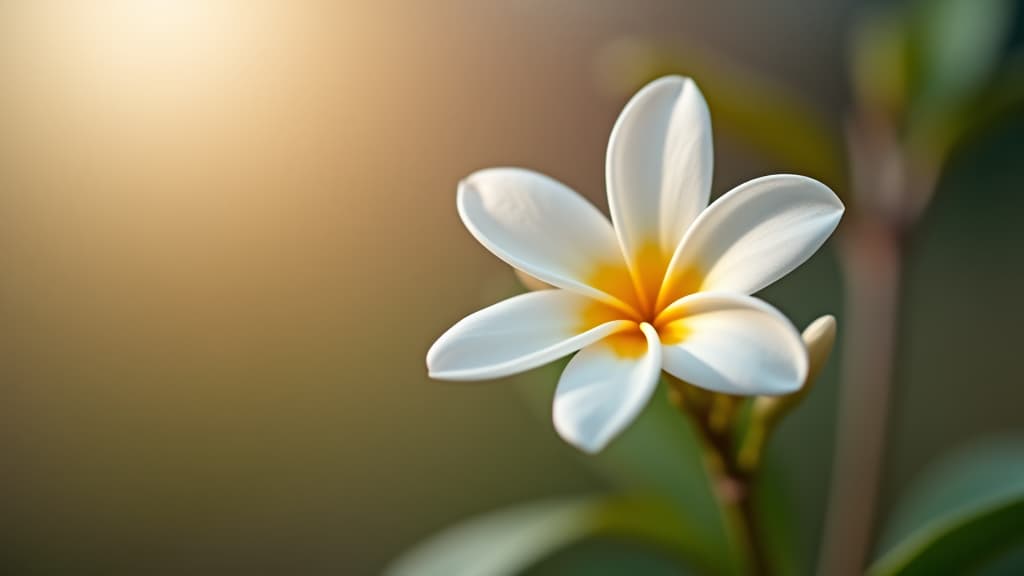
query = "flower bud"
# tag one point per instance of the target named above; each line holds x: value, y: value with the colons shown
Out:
x: 767, y: 411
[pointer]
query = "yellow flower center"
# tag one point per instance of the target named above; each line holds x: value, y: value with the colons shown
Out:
x: 646, y: 293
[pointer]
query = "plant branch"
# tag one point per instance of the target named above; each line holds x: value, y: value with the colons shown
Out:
x: 871, y: 254
x: 872, y: 263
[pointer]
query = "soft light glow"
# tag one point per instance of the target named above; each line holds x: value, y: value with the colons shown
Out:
x: 174, y: 42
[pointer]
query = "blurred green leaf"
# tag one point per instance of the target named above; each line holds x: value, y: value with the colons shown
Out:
x: 776, y: 522
x: 992, y: 103
x: 609, y: 556
x: 880, y: 59
x: 969, y: 509
x: 1009, y: 564
x: 759, y: 112
x: 509, y: 541
x: 927, y: 63
x: 957, y: 46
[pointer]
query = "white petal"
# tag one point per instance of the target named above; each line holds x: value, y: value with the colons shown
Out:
x: 603, y: 390
x: 516, y: 335
x: 659, y: 165
x: 733, y: 344
x: 540, y: 226
x: 755, y: 234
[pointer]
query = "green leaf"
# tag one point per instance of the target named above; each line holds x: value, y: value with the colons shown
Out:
x: 1000, y: 97
x: 609, y: 556
x: 957, y: 44
x: 880, y: 58
x: 955, y: 49
x: 926, y: 63
x: 777, y: 521
x: 509, y: 541
x: 969, y: 510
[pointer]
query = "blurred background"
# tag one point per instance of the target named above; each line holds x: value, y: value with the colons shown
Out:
x: 228, y: 237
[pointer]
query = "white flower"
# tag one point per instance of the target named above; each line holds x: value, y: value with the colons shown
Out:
x: 664, y: 286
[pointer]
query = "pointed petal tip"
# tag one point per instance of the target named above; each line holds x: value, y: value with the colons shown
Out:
x: 587, y: 444
x: 454, y: 376
x: 539, y: 225
x: 439, y: 375
x: 515, y: 335
x: 758, y: 232
x: 600, y: 394
x: 673, y: 79
x: 789, y: 387
x: 784, y: 387
x: 658, y: 165
x: 823, y: 327
x: 812, y: 182
x: 592, y: 449
x: 670, y: 79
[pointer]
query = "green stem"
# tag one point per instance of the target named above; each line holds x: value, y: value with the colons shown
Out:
x: 732, y: 485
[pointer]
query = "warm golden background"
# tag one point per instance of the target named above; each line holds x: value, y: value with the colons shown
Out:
x: 228, y: 236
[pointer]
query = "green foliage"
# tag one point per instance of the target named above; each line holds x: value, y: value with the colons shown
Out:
x: 657, y: 455
x: 777, y: 522
x: 1000, y: 96
x: 956, y: 45
x: 609, y: 556
x: 968, y: 511
x: 880, y: 60
x: 510, y: 541
x: 927, y: 64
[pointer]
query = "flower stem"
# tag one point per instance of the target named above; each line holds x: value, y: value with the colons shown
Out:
x: 735, y: 492
x: 732, y: 485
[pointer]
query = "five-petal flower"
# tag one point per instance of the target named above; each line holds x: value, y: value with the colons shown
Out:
x: 665, y: 286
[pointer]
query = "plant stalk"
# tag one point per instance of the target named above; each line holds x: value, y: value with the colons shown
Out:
x: 871, y: 255
x: 733, y: 485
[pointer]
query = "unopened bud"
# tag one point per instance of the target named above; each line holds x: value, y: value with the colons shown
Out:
x: 767, y: 411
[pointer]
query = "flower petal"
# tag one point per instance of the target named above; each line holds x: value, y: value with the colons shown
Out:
x: 753, y: 235
x: 542, y: 227
x: 659, y: 165
x: 603, y: 390
x: 733, y: 344
x: 515, y: 335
